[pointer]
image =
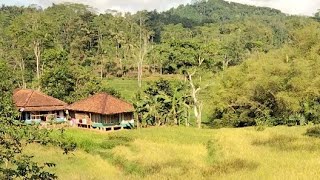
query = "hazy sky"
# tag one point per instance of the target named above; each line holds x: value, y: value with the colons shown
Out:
x: 120, y: 5
x: 301, y: 7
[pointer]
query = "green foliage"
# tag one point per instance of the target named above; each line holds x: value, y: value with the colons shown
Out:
x: 14, y: 136
x: 215, y: 11
x: 59, y: 82
x: 162, y: 103
x: 108, y: 44
x: 28, y: 169
x: 280, y: 87
x: 70, y: 85
x: 313, y: 131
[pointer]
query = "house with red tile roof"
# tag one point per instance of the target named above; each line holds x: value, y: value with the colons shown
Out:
x: 36, y: 105
x: 103, y: 109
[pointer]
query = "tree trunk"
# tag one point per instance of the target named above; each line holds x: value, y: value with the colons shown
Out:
x: 22, y: 68
x: 198, y: 114
x: 37, y: 55
x: 197, y: 107
x: 120, y: 65
x: 140, y: 53
x: 188, y: 117
x: 138, y: 120
x: 140, y: 73
x: 175, y: 119
x: 225, y: 62
x: 101, y: 72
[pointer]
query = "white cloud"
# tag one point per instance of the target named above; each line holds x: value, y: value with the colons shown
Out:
x: 298, y: 7
x: 120, y: 5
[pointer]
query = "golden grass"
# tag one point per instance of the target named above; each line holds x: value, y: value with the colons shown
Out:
x: 279, y: 152
x: 187, y: 153
x: 78, y: 165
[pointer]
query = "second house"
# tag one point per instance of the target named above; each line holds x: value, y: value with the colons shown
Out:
x: 102, y: 110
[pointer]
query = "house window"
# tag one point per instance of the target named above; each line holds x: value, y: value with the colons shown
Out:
x: 96, y: 118
x: 111, y: 119
x: 128, y: 116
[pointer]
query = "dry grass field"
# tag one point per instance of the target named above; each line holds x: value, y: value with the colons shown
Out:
x: 187, y: 153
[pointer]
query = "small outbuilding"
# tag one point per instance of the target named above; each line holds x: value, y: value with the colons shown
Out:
x: 102, y: 110
x: 37, y: 106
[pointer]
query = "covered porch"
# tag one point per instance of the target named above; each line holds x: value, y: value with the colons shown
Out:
x: 36, y: 117
x: 101, y: 121
x: 36, y: 107
x: 102, y: 111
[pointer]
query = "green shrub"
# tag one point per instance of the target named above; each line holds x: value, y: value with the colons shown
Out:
x: 280, y: 142
x: 277, y: 121
x: 313, y: 131
x: 296, y: 119
x: 260, y: 128
x: 116, y: 140
x: 87, y: 145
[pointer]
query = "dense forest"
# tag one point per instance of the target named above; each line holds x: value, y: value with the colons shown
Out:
x: 243, y: 65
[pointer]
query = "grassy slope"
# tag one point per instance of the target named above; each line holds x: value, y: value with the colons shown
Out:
x: 78, y: 165
x: 129, y: 87
x: 187, y: 153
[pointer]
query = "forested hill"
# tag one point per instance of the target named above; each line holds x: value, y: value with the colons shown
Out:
x: 207, y: 12
x: 69, y: 52
x: 214, y: 11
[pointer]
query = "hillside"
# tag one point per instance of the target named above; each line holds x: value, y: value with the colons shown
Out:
x: 69, y: 52
x: 220, y: 91
x: 215, y: 11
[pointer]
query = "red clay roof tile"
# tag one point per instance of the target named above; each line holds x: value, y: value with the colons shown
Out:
x: 32, y: 100
x: 102, y: 103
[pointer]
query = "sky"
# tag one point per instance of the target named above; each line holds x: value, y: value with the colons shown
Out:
x: 299, y: 7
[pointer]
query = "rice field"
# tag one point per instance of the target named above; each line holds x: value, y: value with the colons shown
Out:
x: 187, y: 153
